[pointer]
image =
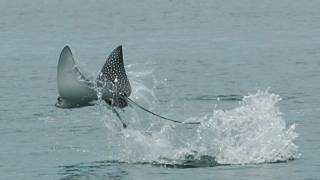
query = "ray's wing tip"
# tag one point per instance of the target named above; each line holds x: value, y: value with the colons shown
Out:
x: 66, y: 51
x: 66, y: 48
x: 119, y: 49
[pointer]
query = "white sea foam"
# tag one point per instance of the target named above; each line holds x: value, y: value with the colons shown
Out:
x: 253, y: 132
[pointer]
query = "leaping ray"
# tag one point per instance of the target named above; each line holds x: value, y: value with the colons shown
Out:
x: 112, y: 85
x: 76, y: 90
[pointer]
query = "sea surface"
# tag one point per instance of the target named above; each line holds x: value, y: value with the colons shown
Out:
x: 247, y: 70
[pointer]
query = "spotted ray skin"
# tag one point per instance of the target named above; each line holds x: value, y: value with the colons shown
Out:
x: 113, y: 77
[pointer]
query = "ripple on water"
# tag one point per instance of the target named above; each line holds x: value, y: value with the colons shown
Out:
x: 97, y: 169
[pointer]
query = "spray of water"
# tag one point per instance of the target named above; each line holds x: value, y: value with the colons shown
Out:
x: 253, y: 132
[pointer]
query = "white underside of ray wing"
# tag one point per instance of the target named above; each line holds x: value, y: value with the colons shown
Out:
x: 72, y: 85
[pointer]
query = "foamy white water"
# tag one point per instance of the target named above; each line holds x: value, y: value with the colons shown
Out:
x: 255, y: 132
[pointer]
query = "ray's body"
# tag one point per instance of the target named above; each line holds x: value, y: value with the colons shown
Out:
x: 111, y: 85
x: 75, y: 90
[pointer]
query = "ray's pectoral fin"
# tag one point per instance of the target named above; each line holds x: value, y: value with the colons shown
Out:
x: 74, y: 88
x: 114, y: 80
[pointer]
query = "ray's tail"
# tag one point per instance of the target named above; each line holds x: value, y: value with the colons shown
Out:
x: 157, y: 115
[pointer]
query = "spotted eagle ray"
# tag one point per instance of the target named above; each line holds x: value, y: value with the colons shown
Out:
x: 111, y: 85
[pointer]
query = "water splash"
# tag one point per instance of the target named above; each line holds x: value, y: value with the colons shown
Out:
x: 253, y: 132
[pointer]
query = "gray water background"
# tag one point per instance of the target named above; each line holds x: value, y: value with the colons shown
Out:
x: 198, y: 50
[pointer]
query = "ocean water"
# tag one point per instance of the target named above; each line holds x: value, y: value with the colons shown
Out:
x: 247, y: 70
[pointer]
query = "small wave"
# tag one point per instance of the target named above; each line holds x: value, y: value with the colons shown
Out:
x: 188, y: 161
x: 116, y: 169
x: 196, y: 161
x: 92, y: 170
x: 230, y: 97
